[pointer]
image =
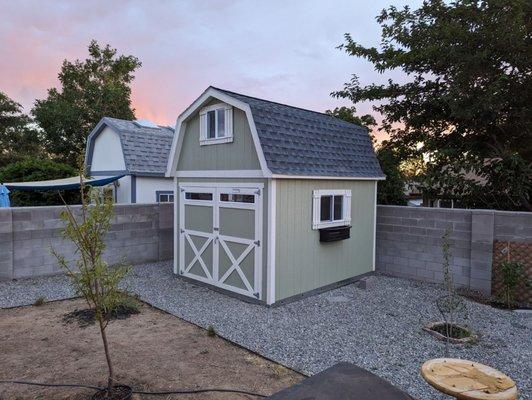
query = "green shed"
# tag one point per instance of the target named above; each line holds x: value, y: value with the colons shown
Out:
x: 272, y: 201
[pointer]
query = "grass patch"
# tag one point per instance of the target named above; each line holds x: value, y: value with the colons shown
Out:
x: 39, y: 302
x: 211, y: 332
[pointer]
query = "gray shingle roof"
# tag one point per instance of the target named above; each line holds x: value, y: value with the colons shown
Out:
x: 303, y: 142
x: 145, y: 149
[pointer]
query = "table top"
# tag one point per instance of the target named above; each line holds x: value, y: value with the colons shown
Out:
x: 468, y: 380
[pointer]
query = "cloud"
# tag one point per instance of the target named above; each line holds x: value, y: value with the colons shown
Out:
x: 280, y: 50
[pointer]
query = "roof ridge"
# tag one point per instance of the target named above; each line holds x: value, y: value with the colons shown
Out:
x: 161, y: 129
x: 290, y: 106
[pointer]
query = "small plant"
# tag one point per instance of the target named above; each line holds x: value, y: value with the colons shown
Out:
x: 512, y: 273
x: 39, y: 302
x: 91, y: 276
x: 450, y: 303
x: 211, y: 331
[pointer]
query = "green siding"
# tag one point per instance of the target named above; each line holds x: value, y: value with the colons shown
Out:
x: 239, y: 154
x: 231, y: 227
x: 302, y: 262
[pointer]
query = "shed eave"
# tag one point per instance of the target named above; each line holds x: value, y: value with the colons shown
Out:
x: 329, y: 177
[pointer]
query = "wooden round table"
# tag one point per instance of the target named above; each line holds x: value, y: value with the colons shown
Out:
x: 468, y: 380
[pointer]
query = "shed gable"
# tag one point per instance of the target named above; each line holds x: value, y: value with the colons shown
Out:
x: 238, y: 154
x: 107, y: 154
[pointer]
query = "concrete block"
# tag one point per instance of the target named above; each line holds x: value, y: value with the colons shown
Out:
x: 366, y: 283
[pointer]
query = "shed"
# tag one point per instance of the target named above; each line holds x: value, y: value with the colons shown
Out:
x: 137, y: 150
x: 274, y: 201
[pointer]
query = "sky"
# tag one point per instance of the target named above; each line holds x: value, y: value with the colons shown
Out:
x: 283, y: 51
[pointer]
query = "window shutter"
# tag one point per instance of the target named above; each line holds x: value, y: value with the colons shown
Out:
x: 315, y: 209
x: 347, y: 206
x: 229, y: 122
x: 203, y: 126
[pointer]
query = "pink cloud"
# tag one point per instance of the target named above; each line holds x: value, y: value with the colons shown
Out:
x: 283, y: 51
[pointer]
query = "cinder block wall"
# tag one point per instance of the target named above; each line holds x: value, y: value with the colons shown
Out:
x: 409, y: 242
x: 139, y: 233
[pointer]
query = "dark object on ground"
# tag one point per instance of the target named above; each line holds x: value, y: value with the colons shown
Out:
x: 85, y: 317
x: 119, y: 392
x: 342, y: 381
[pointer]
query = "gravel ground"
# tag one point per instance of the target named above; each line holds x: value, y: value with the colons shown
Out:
x: 378, y: 328
x: 23, y: 292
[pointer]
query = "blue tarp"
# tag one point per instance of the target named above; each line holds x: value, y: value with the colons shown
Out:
x: 62, y: 184
x: 4, y: 197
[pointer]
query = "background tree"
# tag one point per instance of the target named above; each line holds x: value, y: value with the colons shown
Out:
x: 349, y: 114
x: 467, y: 99
x: 38, y: 169
x: 390, y: 191
x: 18, y: 138
x: 90, y: 90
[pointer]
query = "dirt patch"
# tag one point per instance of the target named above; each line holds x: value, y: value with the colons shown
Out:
x: 85, y: 317
x: 455, y: 333
x: 151, y: 350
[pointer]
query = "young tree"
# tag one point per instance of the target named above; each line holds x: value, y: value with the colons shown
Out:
x: 467, y: 97
x: 91, y: 276
x: 90, y: 90
x: 17, y: 138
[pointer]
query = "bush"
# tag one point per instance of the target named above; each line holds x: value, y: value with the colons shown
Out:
x: 33, y: 169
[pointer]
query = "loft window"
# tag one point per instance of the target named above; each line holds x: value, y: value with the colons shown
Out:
x: 165, y: 196
x: 331, y: 208
x: 216, y: 124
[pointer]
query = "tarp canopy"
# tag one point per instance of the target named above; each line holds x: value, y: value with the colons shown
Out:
x: 62, y: 184
x: 4, y: 197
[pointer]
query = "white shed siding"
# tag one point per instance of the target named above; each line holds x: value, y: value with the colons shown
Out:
x: 147, y: 188
x: 123, y: 191
x: 107, y: 154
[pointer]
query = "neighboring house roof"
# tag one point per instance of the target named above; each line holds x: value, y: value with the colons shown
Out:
x: 145, y: 149
x: 299, y: 142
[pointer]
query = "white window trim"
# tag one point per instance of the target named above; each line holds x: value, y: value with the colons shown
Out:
x: 228, y: 134
x: 316, y: 208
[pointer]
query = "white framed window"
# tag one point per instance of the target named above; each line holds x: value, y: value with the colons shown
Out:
x: 331, y: 208
x: 216, y: 124
x: 164, y: 196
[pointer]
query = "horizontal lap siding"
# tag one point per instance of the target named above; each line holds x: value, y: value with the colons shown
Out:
x: 302, y: 262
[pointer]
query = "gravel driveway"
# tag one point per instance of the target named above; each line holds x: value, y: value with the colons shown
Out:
x: 378, y: 328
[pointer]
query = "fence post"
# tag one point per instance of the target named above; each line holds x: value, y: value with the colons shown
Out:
x: 6, y: 244
x: 482, y: 232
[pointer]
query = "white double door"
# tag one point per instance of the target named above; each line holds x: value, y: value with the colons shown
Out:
x: 220, y: 235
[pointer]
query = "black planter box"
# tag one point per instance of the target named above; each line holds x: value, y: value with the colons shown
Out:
x: 335, y: 234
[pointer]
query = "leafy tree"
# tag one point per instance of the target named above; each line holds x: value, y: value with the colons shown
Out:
x: 90, y: 90
x: 467, y: 99
x: 349, y: 114
x: 390, y: 191
x: 34, y: 169
x: 17, y: 138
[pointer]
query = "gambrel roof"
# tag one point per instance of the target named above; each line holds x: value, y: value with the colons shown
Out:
x: 145, y: 149
x: 296, y: 142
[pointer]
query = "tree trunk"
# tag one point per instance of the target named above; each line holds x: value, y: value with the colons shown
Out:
x: 111, y: 376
